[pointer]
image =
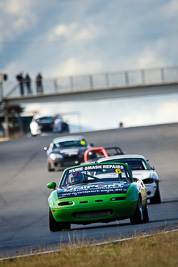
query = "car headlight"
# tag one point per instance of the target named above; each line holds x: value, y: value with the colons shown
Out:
x: 54, y: 156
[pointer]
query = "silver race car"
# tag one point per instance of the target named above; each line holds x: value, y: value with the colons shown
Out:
x: 65, y: 151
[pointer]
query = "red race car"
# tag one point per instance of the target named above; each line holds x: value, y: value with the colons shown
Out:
x: 94, y: 153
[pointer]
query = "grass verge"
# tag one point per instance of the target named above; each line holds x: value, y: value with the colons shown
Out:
x: 160, y: 249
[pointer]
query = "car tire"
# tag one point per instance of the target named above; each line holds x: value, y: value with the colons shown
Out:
x: 138, y: 216
x: 49, y: 168
x: 146, y: 213
x: 66, y: 226
x: 157, y: 198
x: 53, y: 225
x: 56, y: 226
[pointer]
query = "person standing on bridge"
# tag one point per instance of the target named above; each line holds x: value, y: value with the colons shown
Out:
x: 20, y: 80
x: 28, y: 84
x: 39, y: 86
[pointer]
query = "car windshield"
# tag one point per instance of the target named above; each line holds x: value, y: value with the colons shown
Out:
x: 134, y: 164
x: 69, y: 143
x: 93, y: 173
x: 45, y: 119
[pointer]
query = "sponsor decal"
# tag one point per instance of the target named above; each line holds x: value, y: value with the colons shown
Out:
x: 97, y: 167
x: 111, y: 166
x: 82, y: 142
x: 118, y: 170
x: 94, y: 189
x: 76, y: 170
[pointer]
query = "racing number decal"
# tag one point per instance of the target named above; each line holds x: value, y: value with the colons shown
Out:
x: 118, y: 170
x: 83, y: 142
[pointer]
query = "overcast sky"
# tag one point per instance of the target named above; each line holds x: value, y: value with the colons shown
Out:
x: 73, y: 37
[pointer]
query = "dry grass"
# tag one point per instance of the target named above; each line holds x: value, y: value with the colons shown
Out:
x: 157, y: 250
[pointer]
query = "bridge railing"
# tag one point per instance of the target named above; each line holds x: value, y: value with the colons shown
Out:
x: 99, y: 81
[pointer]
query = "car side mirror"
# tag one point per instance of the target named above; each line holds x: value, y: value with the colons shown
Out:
x: 45, y: 148
x: 92, y: 145
x: 51, y: 185
x: 153, y: 168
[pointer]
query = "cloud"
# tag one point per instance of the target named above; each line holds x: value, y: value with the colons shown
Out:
x: 164, y: 111
x: 73, y: 37
x: 168, y: 111
x: 15, y: 7
x: 16, y: 17
x: 170, y: 9
x: 75, y: 66
x: 74, y: 32
x: 149, y: 59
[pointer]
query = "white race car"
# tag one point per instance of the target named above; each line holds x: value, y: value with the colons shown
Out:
x: 45, y: 124
x: 41, y: 124
x: 141, y: 170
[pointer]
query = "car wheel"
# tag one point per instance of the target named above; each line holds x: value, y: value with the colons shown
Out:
x: 49, y: 168
x: 138, y: 216
x: 56, y: 226
x: 146, y: 213
x: 66, y: 226
x: 157, y: 198
x: 53, y: 225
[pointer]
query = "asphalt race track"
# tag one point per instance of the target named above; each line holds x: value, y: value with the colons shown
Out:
x: 23, y: 192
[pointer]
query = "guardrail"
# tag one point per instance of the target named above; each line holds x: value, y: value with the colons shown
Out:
x: 96, y: 81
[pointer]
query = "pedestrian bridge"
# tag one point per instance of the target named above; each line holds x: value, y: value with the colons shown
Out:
x: 102, y: 86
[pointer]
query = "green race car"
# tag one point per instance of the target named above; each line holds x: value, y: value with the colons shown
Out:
x: 98, y: 192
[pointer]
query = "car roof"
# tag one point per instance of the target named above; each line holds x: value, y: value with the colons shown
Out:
x: 68, y: 138
x: 129, y: 156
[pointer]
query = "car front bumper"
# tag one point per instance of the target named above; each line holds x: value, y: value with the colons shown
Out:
x: 151, y: 190
x: 90, y: 209
x: 58, y: 164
